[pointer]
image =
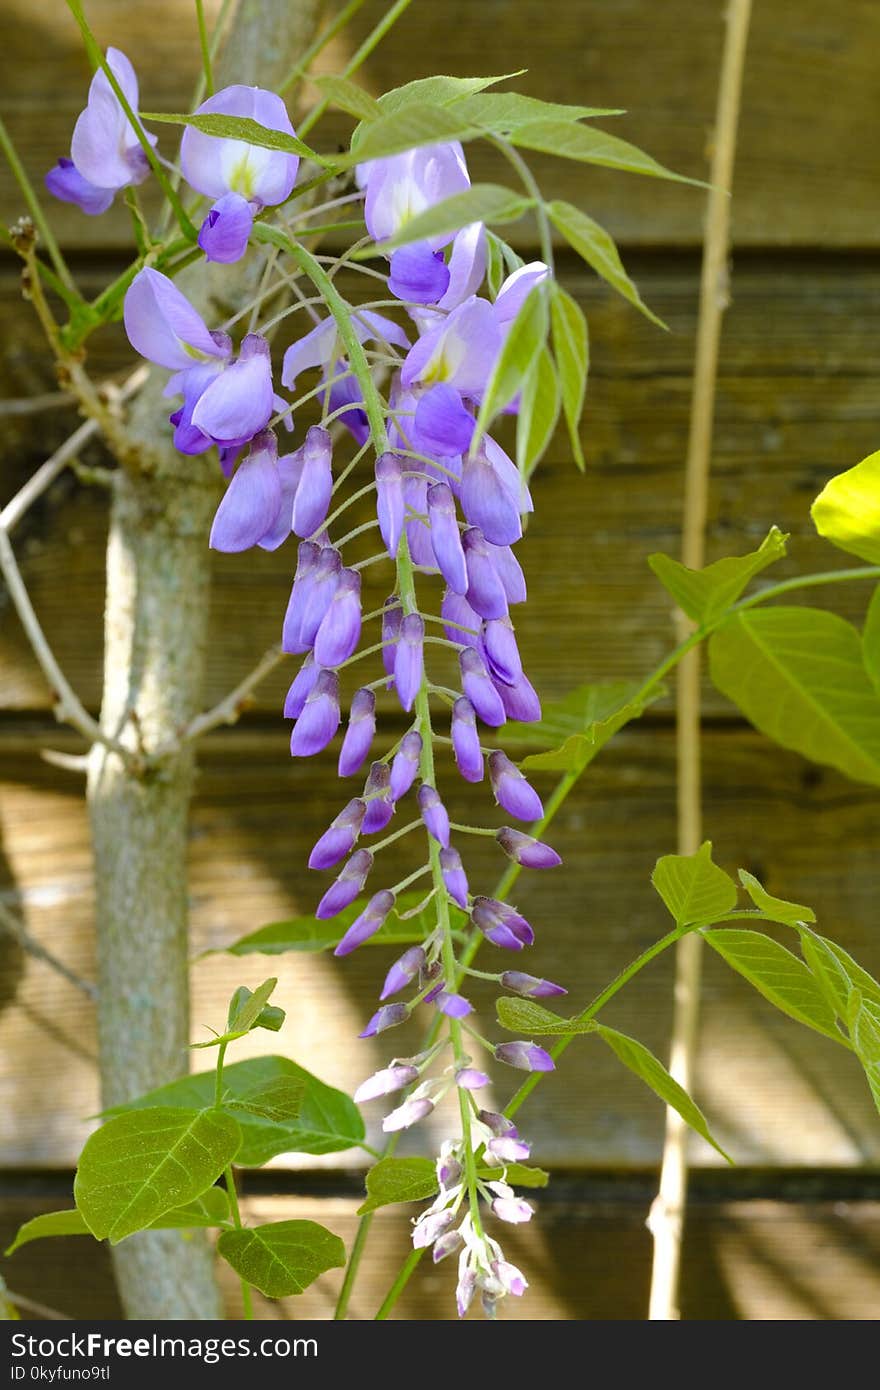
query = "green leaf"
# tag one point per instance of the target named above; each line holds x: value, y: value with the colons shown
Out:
x: 282, y: 1257
x: 327, y: 1121
x: 502, y: 112
x: 538, y: 413
x: 408, y: 128
x: 278, y: 1100
x: 797, y: 674
x: 348, y: 96
x: 837, y: 973
x: 597, y: 248
x: 50, y: 1223
x: 871, y: 640
x: 847, y: 510
x: 239, y: 128
x: 494, y: 264
x: 705, y: 594
x: 438, y: 91
x: 693, y: 888
x: 525, y: 1016
x: 211, y: 1209
x: 791, y: 914
x: 246, y: 1011
x: 777, y: 974
x: 399, y: 1180
x: 640, y: 1060
x: 525, y: 339
x: 571, y: 348
x: 591, y: 146
x: 585, y: 720
x: 864, y: 1028
x: 312, y: 934
x: 140, y: 1165
x: 517, y: 1174
x: 483, y: 202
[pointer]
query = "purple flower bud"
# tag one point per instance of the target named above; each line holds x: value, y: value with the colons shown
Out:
x: 359, y: 734
x: 315, y: 488
x: 485, y: 591
x: 321, y: 588
x: 448, y: 1170
x: 390, y: 507
x: 224, y: 234
x: 340, y: 839
x: 402, y: 971
x: 367, y: 924
x: 446, y: 1245
x: 443, y: 426
x: 252, y: 500
x: 389, y: 1016
x: 307, y: 560
x: 500, y: 924
x: 501, y: 652
x: 392, y: 617
x: 340, y: 628
x: 466, y: 740
x: 405, y: 764
x: 409, y: 1113
x: 301, y: 688
x: 418, y: 536
x: 520, y: 700
x: 509, y: 571
x: 377, y: 795
x: 508, y: 1149
x: 499, y: 1124
x: 65, y: 182
x: 480, y: 691
x: 385, y: 1082
x: 430, y: 1226
x: 487, y: 502
x: 511, y: 789
x: 408, y: 659
x: 469, y: 1079
x: 320, y: 717
x: 512, y: 1209
x: 464, y: 1291
x: 530, y: 986
x: 453, y: 1005
x: 456, y: 609
x: 454, y: 878
x: 445, y: 539
x: 512, y: 1279
x: 434, y: 814
x: 525, y: 1055
x: 532, y: 854
x: 418, y: 274
x: 344, y: 889
x: 239, y: 402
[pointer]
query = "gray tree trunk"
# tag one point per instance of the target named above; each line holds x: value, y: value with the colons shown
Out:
x: 155, y: 635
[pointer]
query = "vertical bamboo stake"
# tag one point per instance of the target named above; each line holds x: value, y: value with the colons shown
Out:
x: 667, y: 1213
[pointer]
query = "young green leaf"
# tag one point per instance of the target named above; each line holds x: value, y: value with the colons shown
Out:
x: 525, y: 1016
x: 693, y: 888
x: 211, y: 1209
x: 140, y: 1165
x: 640, y: 1060
x: 591, y: 146
x: 837, y: 973
x: 597, y: 248
x: 438, y: 91
x: 313, y: 934
x: 538, y: 413
x: 248, y: 1010
x: 282, y: 1257
x: 585, y: 720
x: 348, y: 96
x: 407, y: 128
x: 571, y: 349
x: 705, y: 594
x: 399, y: 1180
x: 49, y: 1223
x: 327, y: 1120
x: 239, y: 128
x: 777, y: 974
x: 494, y: 264
x: 502, y: 112
x: 847, y: 510
x: 790, y: 914
x: 279, y: 1100
x: 517, y: 1174
x: 798, y: 675
x: 525, y: 339
x: 483, y: 202
x: 871, y: 640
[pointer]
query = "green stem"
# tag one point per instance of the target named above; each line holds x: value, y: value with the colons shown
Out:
x: 218, y: 1087
x: 352, y: 1267
x: 529, y: 182
x: 399, y: 1284
x: 374, y: 37
x: 805, y: 581
x: 319, y: 44
x: 206, y: 48
x: 36, y: 211
x: 246, y: 1297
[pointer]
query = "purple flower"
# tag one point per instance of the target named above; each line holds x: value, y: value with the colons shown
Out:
x: 498, y: 1124
x: 489, y: 498
x: 291, y: 634
x: 466, y: 265
x: 408, y: 659
x: 454, y: 878
x: 66, y: 183
x: 443, y: 427
x: 508, y: 1149
x: 500, y: 924
x: 434, y: 814
x: 389, y: 1016
x: 301, y: 687
x: 105, y: 147
x: 224, y: 234
x: 516, y: 290
x: 501, y: 652
x: 377, y: 794
x: 485, y: 592
x: 319, y: 347
x: 479, y: 690
x: 461, y: 350
x: 418, y: 274
x: 359, y: 734
x: 532, y: 854
x: 469, y: 1079
x: 340, y: 838
x: 315, y: 486
x: 453, y: 1005
x: 400, y: 187
x: 418, y: 538
x: 448, y: 1169
x: 402, y: 971
x: 412, y: 1110
x: 319, y: 595
x: 446, y: 1244
x: 509, y: 571
x: 520, y: 700
x: 385, y: 1082
x: 466, y: 741
x: 392, y: 617
x: 455, y: 608
x: 530, y: 986
x: 240, y: 401
x: 512, y: 1279
x: 445, y: 539
x: 512, y: 1209
x: 344, y: 889
x: 525, y: 1055
x: 340, y: 628
x: 405, y: 764
x: 430, y: 1227
x: 464, y: 1291
x: 320, y: 717
x: 250, y: 503
x: 390, y: 507
x: 511, y: 789
x: 163, y: 326
x: 367, y: 924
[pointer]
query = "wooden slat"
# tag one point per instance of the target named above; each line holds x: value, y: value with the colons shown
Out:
x: 797, y: 403
x: 802, y: 171
x: 775, y: 1093
x: 585, y: 1259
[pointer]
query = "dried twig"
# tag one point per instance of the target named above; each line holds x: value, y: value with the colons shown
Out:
x: 15, y: 928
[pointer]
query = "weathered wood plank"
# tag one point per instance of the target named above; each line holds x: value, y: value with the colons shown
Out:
x: 585, y: 1259
x: 796, y: 403
x: 801, y: 175
x: 775, y: 1093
